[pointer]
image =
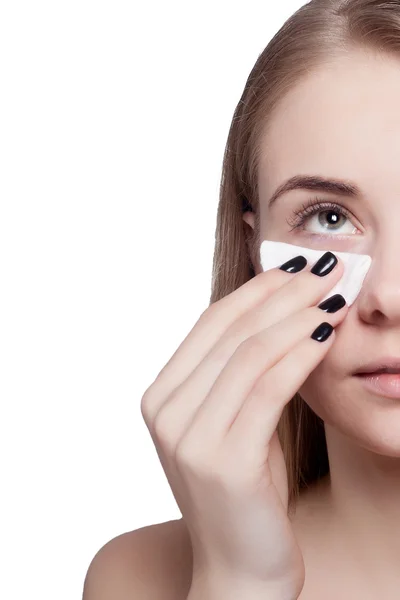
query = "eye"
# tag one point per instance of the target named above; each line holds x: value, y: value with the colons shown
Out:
x: 331, y: 217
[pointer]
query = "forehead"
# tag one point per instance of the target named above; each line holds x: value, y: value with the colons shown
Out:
x: 342, y: 120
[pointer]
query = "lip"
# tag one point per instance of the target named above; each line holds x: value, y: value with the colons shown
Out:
x: 382, y: 384
x: 388, y: 362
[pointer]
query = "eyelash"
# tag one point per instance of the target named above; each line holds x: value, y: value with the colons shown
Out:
x: 310, y: 208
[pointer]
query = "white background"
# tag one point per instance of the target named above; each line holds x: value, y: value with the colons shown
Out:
x: 113, y: 122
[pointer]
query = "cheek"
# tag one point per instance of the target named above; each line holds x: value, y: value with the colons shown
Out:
x: 312, y: 391
x: 333, y: 395
x: 322, y: 390
x: 330, y: 390
x: 326, y: 386
x: 353, y: 415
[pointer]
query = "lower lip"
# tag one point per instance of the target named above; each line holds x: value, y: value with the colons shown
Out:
x: 384, y: 384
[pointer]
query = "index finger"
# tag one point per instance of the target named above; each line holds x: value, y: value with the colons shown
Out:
x: 215, y: 321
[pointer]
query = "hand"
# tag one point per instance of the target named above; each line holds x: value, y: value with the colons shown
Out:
x: 213, y: 411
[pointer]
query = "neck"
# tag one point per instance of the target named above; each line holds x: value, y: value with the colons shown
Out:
x: 361, y: 500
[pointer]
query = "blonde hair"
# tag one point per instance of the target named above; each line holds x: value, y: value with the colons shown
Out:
x: 311, y: 37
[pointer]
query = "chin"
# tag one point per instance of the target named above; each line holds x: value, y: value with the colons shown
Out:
x: 356, y: 416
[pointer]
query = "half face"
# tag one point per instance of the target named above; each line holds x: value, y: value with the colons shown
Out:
x: 342, y: 124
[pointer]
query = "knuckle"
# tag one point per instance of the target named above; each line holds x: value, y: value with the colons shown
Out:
x: 152, y: 399
x: 162, y: 428
x: 208, y: 312
x: 268, y: 389
x: 146, y: 403
x: 222, y: 352
x: 253, y: 345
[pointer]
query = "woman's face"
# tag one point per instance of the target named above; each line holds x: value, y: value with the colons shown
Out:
x: 343, y: 123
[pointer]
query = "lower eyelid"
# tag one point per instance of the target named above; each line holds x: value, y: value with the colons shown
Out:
x: 323, y: 236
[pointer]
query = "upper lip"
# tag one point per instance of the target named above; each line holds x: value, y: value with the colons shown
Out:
x: 380, y: 364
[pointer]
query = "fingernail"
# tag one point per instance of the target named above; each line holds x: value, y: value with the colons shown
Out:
x: 322, y: 332
x: 325, y: 264
x: 333, y: 304
x: 294, y: 265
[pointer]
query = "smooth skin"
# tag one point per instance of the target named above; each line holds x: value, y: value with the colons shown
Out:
x: 212, y: 413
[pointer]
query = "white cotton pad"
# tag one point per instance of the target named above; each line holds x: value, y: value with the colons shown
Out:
x: 274, y: 254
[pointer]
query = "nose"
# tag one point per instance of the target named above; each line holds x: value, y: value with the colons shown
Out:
x: 379, y: 298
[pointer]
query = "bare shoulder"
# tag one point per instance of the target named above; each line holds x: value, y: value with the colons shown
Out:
x: 153, y: 562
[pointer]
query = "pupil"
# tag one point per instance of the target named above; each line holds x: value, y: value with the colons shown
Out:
x: 332, y: 217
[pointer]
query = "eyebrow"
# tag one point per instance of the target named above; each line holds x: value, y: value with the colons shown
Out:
x: 316, y: 183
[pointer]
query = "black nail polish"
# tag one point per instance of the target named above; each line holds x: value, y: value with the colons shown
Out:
x: 332, y: 304
x: 322, y: 332
x: 325, y: 264
x: 294, y: 265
